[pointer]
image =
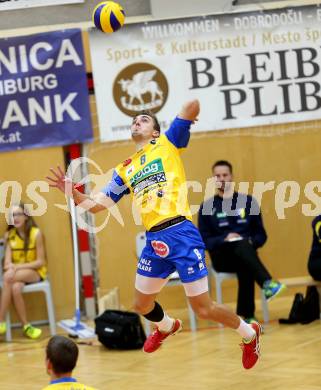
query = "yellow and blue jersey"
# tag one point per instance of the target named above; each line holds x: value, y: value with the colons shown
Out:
x: 155, y: 177
x: 67, y: 384
x: 19, y: 255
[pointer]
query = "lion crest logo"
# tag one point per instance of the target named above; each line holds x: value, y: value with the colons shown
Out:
x: 140, y: 87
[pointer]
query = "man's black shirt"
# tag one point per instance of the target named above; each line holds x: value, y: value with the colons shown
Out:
x: 239, y: 214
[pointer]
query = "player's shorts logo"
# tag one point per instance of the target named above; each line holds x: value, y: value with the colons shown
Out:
x: 140, y: 86
x: 160, y: 248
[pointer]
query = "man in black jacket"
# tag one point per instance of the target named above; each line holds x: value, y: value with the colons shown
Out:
x: 314, y: 263
x: 232, y: 228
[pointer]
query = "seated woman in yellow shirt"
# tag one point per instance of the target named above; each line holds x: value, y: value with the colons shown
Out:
x: 24, y: 263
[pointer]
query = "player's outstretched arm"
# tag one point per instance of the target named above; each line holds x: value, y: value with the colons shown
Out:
x: 179, y: 132
x: 64, y: 184
x: 190, y: 110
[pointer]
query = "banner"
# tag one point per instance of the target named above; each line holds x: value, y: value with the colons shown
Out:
x: 247, y: 69
x: 6, y: 5
x: 43, y: 91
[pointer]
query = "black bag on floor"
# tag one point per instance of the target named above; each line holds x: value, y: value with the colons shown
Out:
x: 120, y: 330
x: 311, y: 306
x: 304, y: 309
x: 295, y: 315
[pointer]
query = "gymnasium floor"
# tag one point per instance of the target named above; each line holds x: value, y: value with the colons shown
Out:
x: 207, y: 359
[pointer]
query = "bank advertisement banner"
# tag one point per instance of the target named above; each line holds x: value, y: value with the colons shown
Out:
x: 43, y: 91
x: 247, y: 69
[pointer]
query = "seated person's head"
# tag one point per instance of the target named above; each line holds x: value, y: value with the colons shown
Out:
x: 61, y: 356
x: 19, y: 217
x: 223, y: 173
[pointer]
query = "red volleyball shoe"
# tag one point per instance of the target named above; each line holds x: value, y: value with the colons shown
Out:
x: 156, y: 339
x: 251, y: 348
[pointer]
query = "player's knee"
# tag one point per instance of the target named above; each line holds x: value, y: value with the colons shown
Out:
x: 7, y: 278
x: 16, y: 288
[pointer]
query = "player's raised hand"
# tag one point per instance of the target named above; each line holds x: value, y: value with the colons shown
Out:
x: 60, y: 181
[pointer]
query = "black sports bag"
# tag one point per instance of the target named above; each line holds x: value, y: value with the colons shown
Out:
x: 120, y: 330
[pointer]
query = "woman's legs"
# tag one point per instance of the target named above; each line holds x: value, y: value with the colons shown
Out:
x: 22, y: 277
x: 12, y: 289
x: 5, y: 297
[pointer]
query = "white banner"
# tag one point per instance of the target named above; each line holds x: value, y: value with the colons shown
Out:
x: 247, y: 69
x: 6, y: 5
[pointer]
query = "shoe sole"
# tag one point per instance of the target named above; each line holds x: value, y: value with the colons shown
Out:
x: 172, y: 334
x: 280, y: 291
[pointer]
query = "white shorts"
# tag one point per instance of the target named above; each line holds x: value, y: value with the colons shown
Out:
x: 147, y: 285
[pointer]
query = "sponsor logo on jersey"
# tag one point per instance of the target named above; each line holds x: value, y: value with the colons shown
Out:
x: 152, y: 173
x: 190, y: 270
x: 142, y: 159
x: 150, y: 181
x: 130, y: 170
x: 160, y: 248
x: 241, y: 213
x: 127, y: 162
x: 145, y: 265
x: 160, y: 193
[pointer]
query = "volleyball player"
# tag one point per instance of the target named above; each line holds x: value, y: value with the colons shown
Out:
x: 154, y: 175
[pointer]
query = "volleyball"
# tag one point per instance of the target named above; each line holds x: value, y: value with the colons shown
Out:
x: 108, y: 16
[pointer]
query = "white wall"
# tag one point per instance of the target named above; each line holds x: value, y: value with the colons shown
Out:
x: 61, y: 14
x: 170, y: 8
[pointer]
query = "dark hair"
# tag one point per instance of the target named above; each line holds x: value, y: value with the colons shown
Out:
x: 223, y: 163
x: 153, y: 116
x: 62, y: 354
x: 27, y: 227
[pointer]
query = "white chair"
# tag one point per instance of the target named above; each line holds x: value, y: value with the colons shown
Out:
x: 43, y: 286
x: 219, y: 279
x: 173, y: 280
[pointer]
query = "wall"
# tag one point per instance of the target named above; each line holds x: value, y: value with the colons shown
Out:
x: 25, y: 167
x: 70, y: 13
x: 81, y: 13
